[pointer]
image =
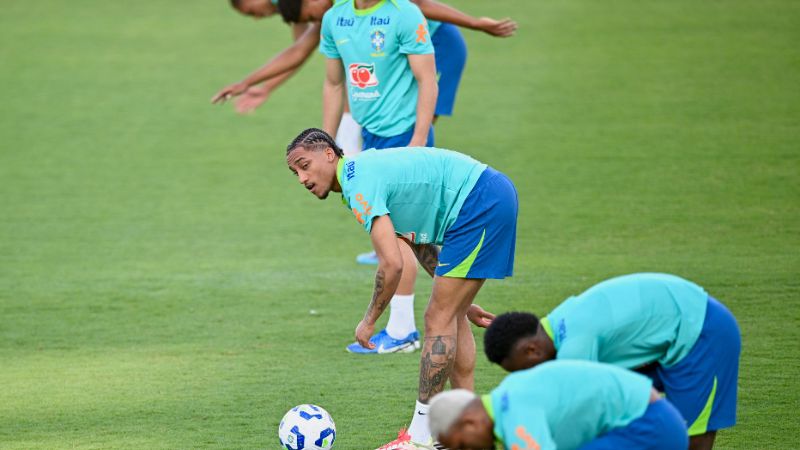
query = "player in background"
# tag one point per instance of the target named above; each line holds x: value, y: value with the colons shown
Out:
x: 349, y: 132
x: 662, y: 325
x: 428, y: 197
x: 306, y: 15
x: 380, y: 54
x: 562, y: 405
x: 400, y: 334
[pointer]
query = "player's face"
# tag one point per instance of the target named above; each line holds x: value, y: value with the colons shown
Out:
x: 256, y: 8
x: 315, y: 170
x: 313, y: 10
x: 523, y: 355
x: 473, y: 432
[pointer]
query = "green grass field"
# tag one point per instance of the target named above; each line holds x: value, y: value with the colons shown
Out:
x: 158, y: 262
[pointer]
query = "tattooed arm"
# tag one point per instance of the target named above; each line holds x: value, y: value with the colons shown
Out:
x: 427, y: 255
x: 390, y: 268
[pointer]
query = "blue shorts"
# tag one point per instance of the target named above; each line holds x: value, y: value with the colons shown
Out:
x: 661, y: 427
x: 703, y: 384
x: 480, y: 243
x: 451, y: 57
x: 373, y: 141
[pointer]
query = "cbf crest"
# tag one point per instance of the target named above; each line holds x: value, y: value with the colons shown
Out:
x: 378, y: 41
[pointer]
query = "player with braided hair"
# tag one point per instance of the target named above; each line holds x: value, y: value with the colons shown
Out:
x: 314, y: 139
x: 427, y: 197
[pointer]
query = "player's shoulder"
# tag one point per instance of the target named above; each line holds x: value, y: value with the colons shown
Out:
x: 405, y: 6
x: 339, y: 4
x: 337, y: 9
x: 361, y: 168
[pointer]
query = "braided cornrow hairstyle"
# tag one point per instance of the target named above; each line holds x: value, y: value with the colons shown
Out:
x: 314, y: 139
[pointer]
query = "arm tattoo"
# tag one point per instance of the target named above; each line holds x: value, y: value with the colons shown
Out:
x: 438, y: 356
x: 380, y: 279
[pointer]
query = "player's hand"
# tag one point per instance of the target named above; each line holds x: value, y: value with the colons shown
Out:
x: 252, y: 99
x: 364, y: 332
x: 228, y: 92
x: 499, y: 28
x: 479, y: 316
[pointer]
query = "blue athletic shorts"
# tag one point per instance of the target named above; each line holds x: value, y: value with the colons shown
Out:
x: 661, y: 427
x: 373, y: 141
x: 480, y: 243
x: 451, y: 57
x: 703, y: 384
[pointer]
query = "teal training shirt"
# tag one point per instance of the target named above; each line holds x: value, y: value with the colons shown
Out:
x: 421, y: 189
x: 374, y: 45
x: 565, y: 404
x: 630, y: 321
x: 433, y: 25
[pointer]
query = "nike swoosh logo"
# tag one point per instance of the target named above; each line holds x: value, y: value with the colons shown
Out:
x: 342, y: 41
x: 421, y: 413
x: 442, y: 264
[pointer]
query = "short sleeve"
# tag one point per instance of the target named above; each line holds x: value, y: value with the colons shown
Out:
x: 528, y: 430
x: 327, y: 43
x: 413, y: 36
x: 579, y: 347
x: 367, y: 203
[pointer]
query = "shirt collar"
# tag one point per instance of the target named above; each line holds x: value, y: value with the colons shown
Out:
x: 547, y: 328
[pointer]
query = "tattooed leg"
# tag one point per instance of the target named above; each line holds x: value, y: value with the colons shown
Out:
x: 438, y: 356
x: 448, y: 306
x: 427, y: 255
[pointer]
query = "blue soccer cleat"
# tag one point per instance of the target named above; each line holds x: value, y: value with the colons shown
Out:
x: 387, y: 344
x: 369, y: 258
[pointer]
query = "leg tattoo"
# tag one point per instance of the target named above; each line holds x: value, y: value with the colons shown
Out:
x: 438, y: 355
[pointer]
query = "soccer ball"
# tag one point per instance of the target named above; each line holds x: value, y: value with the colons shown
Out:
x: 307, y: 427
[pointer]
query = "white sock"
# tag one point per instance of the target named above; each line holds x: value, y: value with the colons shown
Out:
x: 419, y: 431
x: 348, y: 136
x: 401, y: 316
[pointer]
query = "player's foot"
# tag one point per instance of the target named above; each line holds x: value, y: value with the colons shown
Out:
x: 387, y: 344
x: 404, y: 442
x: 369, y: 258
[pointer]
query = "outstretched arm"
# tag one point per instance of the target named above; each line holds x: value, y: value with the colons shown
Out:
x: 288, y: 60
x: 390, y: 268
x: 255, y: 96
x: 445, y: 13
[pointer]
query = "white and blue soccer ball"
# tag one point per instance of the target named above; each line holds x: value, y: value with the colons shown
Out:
x: 307, y: 427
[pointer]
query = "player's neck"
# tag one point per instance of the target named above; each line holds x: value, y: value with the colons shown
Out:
x: 366, y: 4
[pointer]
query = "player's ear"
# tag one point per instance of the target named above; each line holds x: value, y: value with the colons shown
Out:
x: 330, y: 154
x: 534, y: 354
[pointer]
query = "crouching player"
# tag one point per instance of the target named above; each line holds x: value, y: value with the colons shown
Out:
x: 429, y: 197
x: 662, y: 325
x: 560, y: 405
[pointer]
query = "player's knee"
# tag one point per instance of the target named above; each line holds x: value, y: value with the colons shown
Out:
x: 439, y: 321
